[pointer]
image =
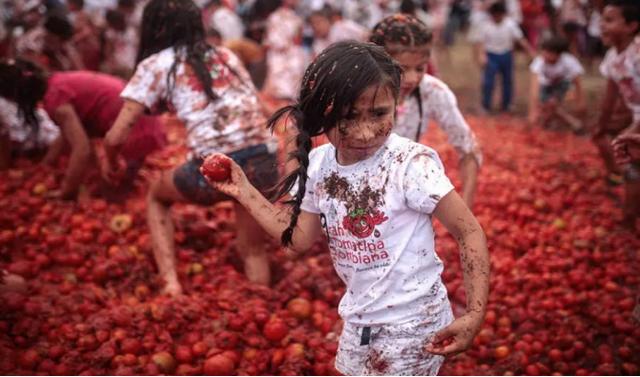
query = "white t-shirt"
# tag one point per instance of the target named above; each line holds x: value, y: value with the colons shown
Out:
x: 286, y: 59
x: 566, y: 68
x: 496, y: 38
x: 377, y: 217
x: 233, y: 121
x: 439, y: 104
x: 227, y: 23
x: 341, y: 30
x: 624, y: 69
x: 12, y: 125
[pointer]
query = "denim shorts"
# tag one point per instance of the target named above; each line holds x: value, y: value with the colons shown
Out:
x: 557, y: 91
x: 259, y: 163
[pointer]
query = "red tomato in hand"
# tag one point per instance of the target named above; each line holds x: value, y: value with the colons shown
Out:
x: 216, y: 167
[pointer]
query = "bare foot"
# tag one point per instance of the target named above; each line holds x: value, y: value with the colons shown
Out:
x: 11, y: 282
x: 172, y: 289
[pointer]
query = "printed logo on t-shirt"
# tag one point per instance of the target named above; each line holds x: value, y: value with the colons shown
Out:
x: 362, y: 223
x: 363, y: 215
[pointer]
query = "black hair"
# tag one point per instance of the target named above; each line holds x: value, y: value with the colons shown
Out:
x: 78, y: 3
x: 59, y: 25
x: 401, y: 29
x: 128, y: 4
x: 408, y: 7
x: 555, y: 44
x: 177, y: 24
x: 630, y: 10
x: 24, y: 83
x: 211, y: 3
x: 116, y: 19
x: 330, y: 87
x: 325, y: 12
x: 497, y: 8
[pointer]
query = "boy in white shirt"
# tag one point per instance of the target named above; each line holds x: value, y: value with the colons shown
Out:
x: 621, y: 67
x: 553, y: 72
x: 329, y: 27
x: 494, y: 39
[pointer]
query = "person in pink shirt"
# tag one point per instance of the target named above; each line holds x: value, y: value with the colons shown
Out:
x: 83, y: 105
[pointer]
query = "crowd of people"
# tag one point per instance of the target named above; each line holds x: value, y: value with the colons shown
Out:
x: 360, y: 74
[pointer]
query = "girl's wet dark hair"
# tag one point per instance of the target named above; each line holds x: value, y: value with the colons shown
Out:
x: 330, y: 87
x: 24, y: 83
x: 177, y: 24
x: 402, y: 30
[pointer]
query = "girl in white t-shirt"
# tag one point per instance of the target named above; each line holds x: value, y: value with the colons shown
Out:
x: 424, y: 97
x: 374, y: 195
x: 553, y: 72
x: 210, y: 91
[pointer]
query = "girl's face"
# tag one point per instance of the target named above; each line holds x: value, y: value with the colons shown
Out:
x: 414, y: 66
x: 363, y: 131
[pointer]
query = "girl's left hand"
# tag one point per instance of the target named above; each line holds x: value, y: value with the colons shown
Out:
x: 457, y: 337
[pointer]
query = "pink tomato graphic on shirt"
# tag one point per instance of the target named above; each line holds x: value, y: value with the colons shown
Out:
x: 361, y: 223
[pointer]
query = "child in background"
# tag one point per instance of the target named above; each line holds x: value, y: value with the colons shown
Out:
x: 24, y: 128
x: 50, y: 44
x: 84, y: 105
x: 621, y: 66
x: 119, y: 45
x: 553, y: 72
x: 211, y: 93
x: 494, y: 39
x: 424, y: 98
x: 218, y: 16
x: 329, y: 27
x: 85, y: 37
x: 286, y: 59
x: 374, y: 194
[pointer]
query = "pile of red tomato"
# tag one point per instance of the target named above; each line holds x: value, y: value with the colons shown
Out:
x: 565, y: 276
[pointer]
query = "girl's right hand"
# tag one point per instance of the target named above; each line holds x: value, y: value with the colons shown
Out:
x: 626, y: 148
x: 237, y: 183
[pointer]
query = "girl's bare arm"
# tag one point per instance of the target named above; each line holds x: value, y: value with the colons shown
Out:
x: 463, y: 226
x: 74, y: 134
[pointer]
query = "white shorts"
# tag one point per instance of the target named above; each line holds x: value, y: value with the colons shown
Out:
x: 391, y: 349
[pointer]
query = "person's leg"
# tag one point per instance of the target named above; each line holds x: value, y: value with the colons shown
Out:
x: 603, y: 143
x: 506, y: 70
x: 570, y: 120
x: 162, y: 194
x: 632, y: 195
x: 250, y: 245
x: 488, y: 81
